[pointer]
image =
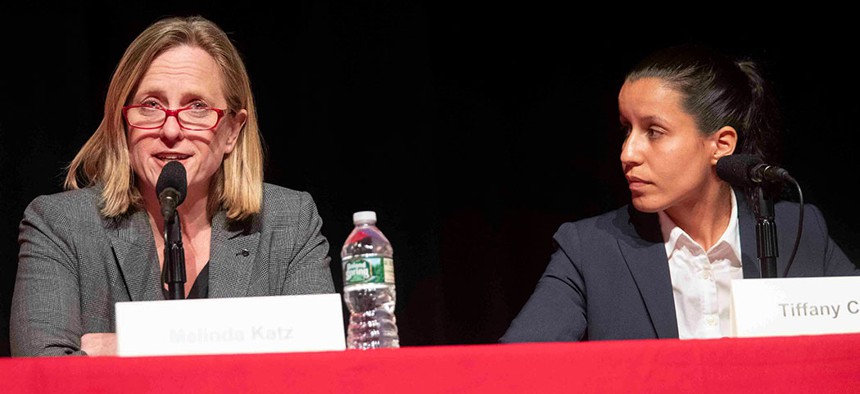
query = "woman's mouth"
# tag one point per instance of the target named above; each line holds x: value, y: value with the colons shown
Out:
x: 171, y: 156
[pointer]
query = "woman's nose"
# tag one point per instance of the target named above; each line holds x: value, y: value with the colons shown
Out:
x: 171, y: 131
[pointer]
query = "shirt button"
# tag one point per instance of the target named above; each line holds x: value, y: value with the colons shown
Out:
x: 705, y: 275
x: 710, y: 320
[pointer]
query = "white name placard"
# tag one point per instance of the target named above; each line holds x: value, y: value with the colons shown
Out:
x: 269, y: 324
x: 795, y: 306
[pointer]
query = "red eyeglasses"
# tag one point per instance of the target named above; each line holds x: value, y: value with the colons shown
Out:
x: 190, y: 118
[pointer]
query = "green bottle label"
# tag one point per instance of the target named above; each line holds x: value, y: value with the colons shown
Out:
x: 368, y: 269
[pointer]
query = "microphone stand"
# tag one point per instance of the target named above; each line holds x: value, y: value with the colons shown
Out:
x: 173, y: 272
x: 765, y: 231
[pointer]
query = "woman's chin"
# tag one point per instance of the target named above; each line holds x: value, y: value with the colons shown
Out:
x: 643, y: 204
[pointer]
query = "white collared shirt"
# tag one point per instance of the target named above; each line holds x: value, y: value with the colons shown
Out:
x: 701, y: 279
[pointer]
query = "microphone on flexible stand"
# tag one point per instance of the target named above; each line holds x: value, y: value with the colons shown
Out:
x: 171, y: 188
x: 749, y: 171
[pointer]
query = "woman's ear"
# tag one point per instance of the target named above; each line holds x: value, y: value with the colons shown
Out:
x: 724, y: 141
x: 238, y: 122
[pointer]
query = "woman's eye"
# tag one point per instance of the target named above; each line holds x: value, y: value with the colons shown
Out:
x: 654, y: 133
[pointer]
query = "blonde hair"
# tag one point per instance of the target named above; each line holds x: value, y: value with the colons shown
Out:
x: 104, y: 160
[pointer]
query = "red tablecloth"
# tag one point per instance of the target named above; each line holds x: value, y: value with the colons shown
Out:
x: 808, y: 364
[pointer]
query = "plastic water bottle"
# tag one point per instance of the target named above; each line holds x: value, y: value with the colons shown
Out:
x: 368, y: 276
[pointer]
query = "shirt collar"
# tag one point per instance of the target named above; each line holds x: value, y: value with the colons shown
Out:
x: 674, y: 236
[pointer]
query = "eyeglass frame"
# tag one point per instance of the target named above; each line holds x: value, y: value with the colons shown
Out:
x: 174, y: 113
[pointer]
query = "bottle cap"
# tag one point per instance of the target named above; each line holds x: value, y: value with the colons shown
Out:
x: 364, y: 217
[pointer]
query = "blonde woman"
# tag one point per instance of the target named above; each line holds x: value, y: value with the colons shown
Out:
x: 180, y: 93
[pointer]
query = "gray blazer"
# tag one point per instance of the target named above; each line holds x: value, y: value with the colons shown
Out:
x: 74, y: 264
x: 609, y: 277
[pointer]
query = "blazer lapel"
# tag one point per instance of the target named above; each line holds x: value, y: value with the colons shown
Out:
x: 134, y: 250
x: 645, y: 255
x: 233, y: 250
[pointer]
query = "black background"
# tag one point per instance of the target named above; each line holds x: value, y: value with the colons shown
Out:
x: 473, y: 129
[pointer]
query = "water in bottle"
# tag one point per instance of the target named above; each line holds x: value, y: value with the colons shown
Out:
x: 368, y: 275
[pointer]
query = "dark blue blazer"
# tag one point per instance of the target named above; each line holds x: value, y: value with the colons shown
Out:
x: 609, y: 276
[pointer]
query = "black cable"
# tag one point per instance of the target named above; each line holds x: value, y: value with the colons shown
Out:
x: 799, y: 229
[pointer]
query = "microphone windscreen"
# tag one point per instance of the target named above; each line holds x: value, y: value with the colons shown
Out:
x: 172, y: 176
x: 735, y: 169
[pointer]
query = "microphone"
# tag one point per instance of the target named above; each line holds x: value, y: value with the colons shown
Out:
x: 171, y: 187
x: 746, y: 170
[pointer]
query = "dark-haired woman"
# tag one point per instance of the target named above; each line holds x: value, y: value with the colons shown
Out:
x: 661, y: 267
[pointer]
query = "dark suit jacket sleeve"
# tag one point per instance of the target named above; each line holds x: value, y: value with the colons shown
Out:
x: 836, y: 263
x: 308, y: 271
x: 556, y: 310
x: 45, y: 315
